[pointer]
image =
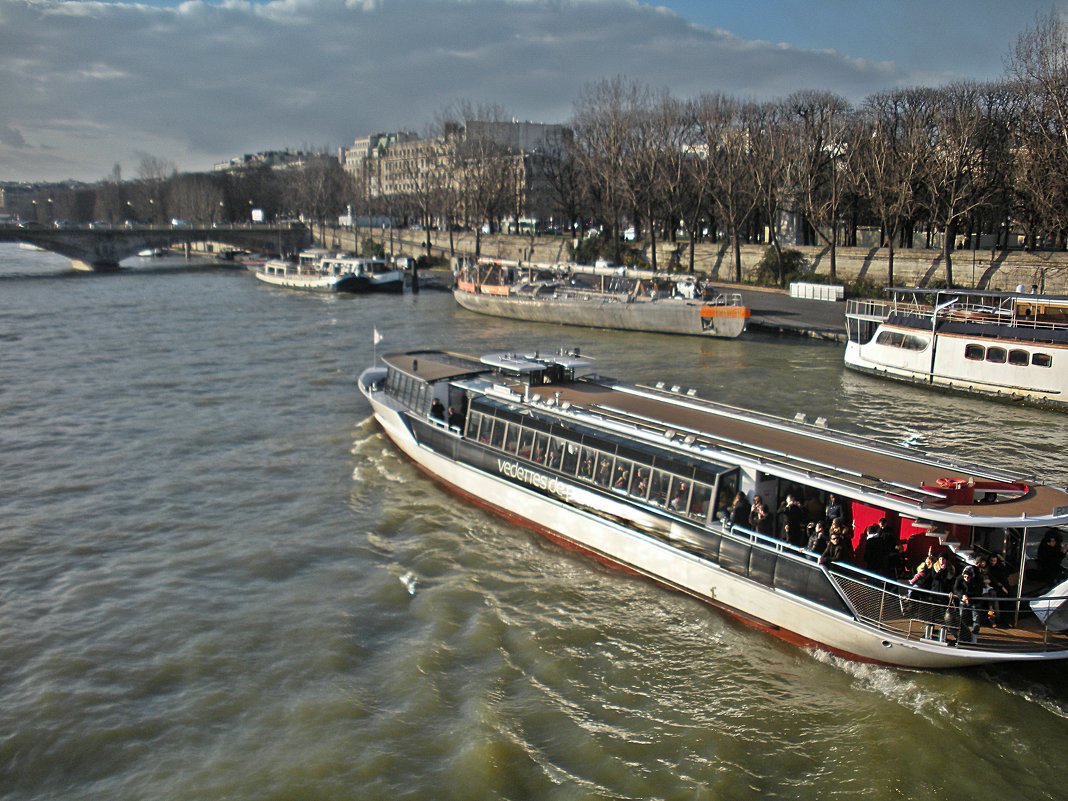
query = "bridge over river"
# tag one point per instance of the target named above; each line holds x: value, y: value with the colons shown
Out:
x: 102, y: 249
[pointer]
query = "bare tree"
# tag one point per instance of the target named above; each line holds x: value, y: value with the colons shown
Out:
x: 723, y: 170
x: 820, y: 125
x: 604, y: 123
x: 769, y: 166
x: 960, y: 173
x: 889, y: 148
x: 1039, y: 61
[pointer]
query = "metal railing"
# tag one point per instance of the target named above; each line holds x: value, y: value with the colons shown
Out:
x: 988, y: 623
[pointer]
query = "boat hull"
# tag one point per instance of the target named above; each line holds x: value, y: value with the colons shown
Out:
x: 950, y: 370
x: 608, y: 537
x: 666, y: 316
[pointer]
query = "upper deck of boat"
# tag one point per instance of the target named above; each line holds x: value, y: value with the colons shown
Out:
x: 869, y: 467
x: 863, y: 463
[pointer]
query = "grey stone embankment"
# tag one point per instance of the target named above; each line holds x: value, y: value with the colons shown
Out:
x: 1002, y: 270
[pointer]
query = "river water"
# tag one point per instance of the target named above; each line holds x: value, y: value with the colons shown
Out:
x: 218, y: 580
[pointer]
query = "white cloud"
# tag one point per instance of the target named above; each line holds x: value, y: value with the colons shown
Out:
x: 89, y: 84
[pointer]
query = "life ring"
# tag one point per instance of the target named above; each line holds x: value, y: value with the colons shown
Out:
x: 951, y: 483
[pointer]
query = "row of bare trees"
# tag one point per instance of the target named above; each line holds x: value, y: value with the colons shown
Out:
x: 968, y: 158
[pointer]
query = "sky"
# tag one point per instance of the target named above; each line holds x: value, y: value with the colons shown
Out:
x: 87, y: 85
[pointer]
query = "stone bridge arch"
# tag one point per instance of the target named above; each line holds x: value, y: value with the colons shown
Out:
x: 103, y: 249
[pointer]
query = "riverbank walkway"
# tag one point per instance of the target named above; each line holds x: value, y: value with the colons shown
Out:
x: 774, y: 311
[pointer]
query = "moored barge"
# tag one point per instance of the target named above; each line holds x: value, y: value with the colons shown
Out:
x: 600, y: 297
x: 642, y: 477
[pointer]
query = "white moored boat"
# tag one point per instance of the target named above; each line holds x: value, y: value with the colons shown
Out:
x: 310, y: 273
x: 1011, y: 345
x: 640, y: 476
x: 600, y: 297
x: 377, y: 275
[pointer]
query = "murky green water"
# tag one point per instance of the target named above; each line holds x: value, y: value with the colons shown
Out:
x: 218, y: 580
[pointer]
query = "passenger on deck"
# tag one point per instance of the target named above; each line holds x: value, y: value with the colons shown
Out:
x: 793, y: 530
x: 740, y: 509
x: 998, y: 571
x: 455, y: 419
x: 759, y: 516
x: 818, y: 539
x: 437, y: 410
x: 1048, y: 559
x: 968, y: 593
x: 943, y: 575
x: 834, y: 509
x: 836, y: 549
x: 875, y: 556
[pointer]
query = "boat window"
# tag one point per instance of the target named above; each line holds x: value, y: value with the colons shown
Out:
x: 604, y: 469
x: 726, y: 489
x: 699, y: 501
x: 569, y: 457
x: 661, y: 484
x: 553, y: 454
x: 680, y: 495
x: 913, y: 342
x: 1019, y: 358
x: 526, y: 444
x: 587, y: 463
x: 996, y: 355
x: 621, y: 478
x: 892, y: 338
x: 974, y: 352
x: 639, y: 482
x: 1041, y: 360
x: 497, y: 436
x: 541, y: 447
x: 511, y: 440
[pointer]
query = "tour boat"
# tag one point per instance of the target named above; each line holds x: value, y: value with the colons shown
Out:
x: 600, y: 297
x: 641, y: 477
x: 1003, y: 344
x: 309, y: 273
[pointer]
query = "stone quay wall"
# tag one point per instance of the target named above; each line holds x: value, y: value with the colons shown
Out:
x: 1001, y: 270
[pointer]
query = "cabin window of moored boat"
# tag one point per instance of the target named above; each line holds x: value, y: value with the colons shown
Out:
x: 1041, y: 360
x: 1020, y: 358
x: 976, y: 353
x: 996, y: 355
x: 898, y: 339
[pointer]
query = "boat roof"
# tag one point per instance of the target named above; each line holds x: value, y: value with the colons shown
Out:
x: 434, y: 365
x: 857, y: 467
x: 989, y: 294
x: 905, y: 480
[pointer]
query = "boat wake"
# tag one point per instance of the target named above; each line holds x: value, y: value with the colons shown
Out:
x: 892, y: 683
